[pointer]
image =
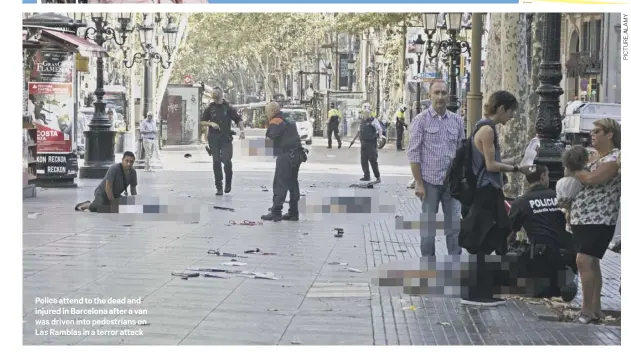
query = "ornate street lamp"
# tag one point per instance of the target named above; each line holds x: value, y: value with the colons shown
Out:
x: 419, y: 46
x: 99, y: 145
x: 149, y: 55
x: 548, y: 123
x: 451, y: 47
x: 375, y: 69
x: 329, y: 73
x: 146, y: 31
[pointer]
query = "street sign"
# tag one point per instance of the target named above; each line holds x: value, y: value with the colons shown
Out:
x: 188, y: 79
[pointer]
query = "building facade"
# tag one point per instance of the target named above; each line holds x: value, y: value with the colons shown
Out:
x: 590, y: 56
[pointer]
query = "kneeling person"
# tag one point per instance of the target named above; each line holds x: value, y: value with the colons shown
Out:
x: 552, y: 250
x: 118, y: 177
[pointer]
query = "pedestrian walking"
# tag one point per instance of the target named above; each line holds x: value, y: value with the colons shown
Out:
x: 333, y: 126
x: 118, y: 177
x: 287, y: 148
x: 218, y: 117
x: 434, y: 138
x: 486, y: 226
x: 400, y: 126
x: 148, y: 133
x: 369, y: 133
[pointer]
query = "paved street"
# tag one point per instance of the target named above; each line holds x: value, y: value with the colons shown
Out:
x: 86, y: 255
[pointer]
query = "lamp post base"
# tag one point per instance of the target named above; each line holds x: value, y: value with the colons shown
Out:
x: 99, y: 153
x: 549, y: 154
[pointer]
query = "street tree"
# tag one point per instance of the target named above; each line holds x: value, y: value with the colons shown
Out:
x: 506, y: 68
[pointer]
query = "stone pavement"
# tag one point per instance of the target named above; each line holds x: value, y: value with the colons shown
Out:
x: 74, y: 255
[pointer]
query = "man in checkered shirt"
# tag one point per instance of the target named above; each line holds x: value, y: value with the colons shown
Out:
x: 434, y: 138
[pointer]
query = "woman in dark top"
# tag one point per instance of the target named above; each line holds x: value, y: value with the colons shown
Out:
x: 486, y: 227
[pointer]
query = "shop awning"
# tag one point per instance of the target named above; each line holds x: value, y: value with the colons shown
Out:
x: 83, y: 46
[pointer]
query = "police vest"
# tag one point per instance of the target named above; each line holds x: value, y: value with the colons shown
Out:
x: 368, y: 131
x: 400, y: 115
x: 334, y: 116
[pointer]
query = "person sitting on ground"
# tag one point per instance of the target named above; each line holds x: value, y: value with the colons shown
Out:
x: 574, y: 160
x: 118, y: 177
x: 553, y: 255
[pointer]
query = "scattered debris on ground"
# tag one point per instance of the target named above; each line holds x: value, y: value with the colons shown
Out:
x: 185, y: 274
x: 223, y: 208
x: 339, y: 232
x: 353, y: 270
x: 338, y: 263
x: 296, y: 341
x: 245, y: 223
x: 565, y: 311
x: 234, y: 264
x: 219, y: 253
x: 33, y: 215
x: 187, y: 155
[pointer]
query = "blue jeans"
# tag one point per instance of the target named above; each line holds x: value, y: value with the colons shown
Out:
x: 435, y: 195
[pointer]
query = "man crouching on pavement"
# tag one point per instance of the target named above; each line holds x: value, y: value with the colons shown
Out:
x: 287, y: 148
x: 118, y: 177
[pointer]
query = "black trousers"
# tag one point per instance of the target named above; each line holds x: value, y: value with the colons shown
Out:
x: 286, y: 180
x: 368, y: 154
x: 400, y: 138
x: 333, y: 129
x: 221, y: 150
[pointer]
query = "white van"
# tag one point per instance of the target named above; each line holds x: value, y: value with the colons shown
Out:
x: 303, y: 123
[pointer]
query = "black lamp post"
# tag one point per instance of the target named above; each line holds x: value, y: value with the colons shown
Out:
x: 375, y: 69
x: 548, y: 123
x: 99, y: 145
x: 452, y: 47
x: 419, y: 44
x: 329, y: 73
x: 148, y: 56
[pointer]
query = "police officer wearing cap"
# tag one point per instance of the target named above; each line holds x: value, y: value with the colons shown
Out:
x: 400, y: 126
x: 218, y: 117
x: 369, y: 133
x: 282, y: 135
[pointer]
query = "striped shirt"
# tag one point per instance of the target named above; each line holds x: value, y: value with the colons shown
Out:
x: 434, y: 140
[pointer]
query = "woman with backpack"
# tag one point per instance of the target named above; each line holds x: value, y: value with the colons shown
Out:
x: 485, y: 227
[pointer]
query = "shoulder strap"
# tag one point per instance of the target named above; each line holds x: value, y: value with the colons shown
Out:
x: 125, y: 184
x: 482, y: 168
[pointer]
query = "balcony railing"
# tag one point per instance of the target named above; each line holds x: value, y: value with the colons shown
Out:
x: 583, y: 64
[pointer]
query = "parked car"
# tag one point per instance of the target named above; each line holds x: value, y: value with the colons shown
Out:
x: 304, y: 124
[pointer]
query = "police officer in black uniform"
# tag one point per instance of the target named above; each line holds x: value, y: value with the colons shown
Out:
x: 218, y: 117
x: 284, y: 138
x: 369, y: 132
x: 552, y: 252
x: 400, y: 126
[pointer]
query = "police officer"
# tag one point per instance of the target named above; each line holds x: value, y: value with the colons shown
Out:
x: 369, y: 132
x: 289, y: 153
x: 218, y: 117
x: 400, y: 125
x: 333, y: 125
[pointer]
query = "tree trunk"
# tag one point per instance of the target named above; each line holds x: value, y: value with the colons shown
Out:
x: 507, y: 69
x: 537, y: 21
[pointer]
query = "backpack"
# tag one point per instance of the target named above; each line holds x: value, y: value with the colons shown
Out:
x: 460, y: 181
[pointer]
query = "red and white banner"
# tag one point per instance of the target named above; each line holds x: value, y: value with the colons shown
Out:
x: 53, y: 109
